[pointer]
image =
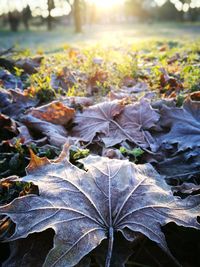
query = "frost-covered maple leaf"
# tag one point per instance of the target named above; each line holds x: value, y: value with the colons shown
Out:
x: 85, y: 207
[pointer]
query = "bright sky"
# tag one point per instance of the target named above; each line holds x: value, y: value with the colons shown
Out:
x: 179, y: 5
x: 106, y: 3
x: 39, y: 7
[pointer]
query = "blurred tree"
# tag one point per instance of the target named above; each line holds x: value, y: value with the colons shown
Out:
x: 4, y: 20
x: 93, y: 14
x: 14, y: 20
x: 136, y: 9
x: 77, y: 16
x: 49, y: 18
x: 83, y: 11
x: 167, y: 12
x: 26, y: 16
x: 194, y: 14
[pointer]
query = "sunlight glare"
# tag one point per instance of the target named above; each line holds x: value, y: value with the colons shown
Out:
x: 103, y: 4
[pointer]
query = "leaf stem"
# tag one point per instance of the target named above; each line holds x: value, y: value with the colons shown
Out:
x: 110, y: 247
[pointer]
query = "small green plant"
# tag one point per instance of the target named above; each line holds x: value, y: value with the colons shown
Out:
x: 18, y: 71
x: 42, y: 83
x: 75, y: 154
x: 49, y: 152
x: 133, y: 154
x: 191, y: 76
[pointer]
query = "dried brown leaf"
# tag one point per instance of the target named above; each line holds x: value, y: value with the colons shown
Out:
x: 55, y: 112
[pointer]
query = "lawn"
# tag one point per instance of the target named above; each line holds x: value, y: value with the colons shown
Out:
x: 39, y: 38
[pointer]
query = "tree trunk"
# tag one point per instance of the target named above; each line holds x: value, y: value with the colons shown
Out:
x: 77, y: 16
x: 14, y: 21
x: 49, y: 23
x: 49, y: 18
x: 26, y: 16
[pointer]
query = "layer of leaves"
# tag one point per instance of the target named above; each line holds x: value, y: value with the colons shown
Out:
x: 126, y: 127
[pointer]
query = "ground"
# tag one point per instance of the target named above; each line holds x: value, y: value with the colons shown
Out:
x: 128, y: 92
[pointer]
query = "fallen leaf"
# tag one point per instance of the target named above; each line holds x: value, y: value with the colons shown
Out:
x: 55, y: 112
x: 95, y: 119
x: 56, y: 134
x: 186, y: 189
x: 16, y: 103
x: 179, y: 168
x: 121, y: 94
x: 100, y: 76
x: 113, y: 123
x: 9, y: 189
x: 163, y: 48
x: 29, y: 65
x: 36, y: 162
x: 5, y: 98
x: 133, y: 124
x: 172, y: 83
x: 138, y: 88
x: 31, y: 251
x: 8, y: 51
x: 9, y: 81
x: 78, y: 102
x: 195, y: 96
x: 174, y: 58
x: 7, y: 126
x: 128, y: 81
x: 184, y: 124
x: 65, y: 79
x: 7, y: 64
x: 24, y: 135
x: 83, y: 208
x: 112, y: 153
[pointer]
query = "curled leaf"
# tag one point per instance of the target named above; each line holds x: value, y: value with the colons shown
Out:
x: 36, y: 162
x: 56, y: 134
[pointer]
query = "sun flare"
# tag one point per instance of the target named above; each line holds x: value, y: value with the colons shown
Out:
x: 105, y: 3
